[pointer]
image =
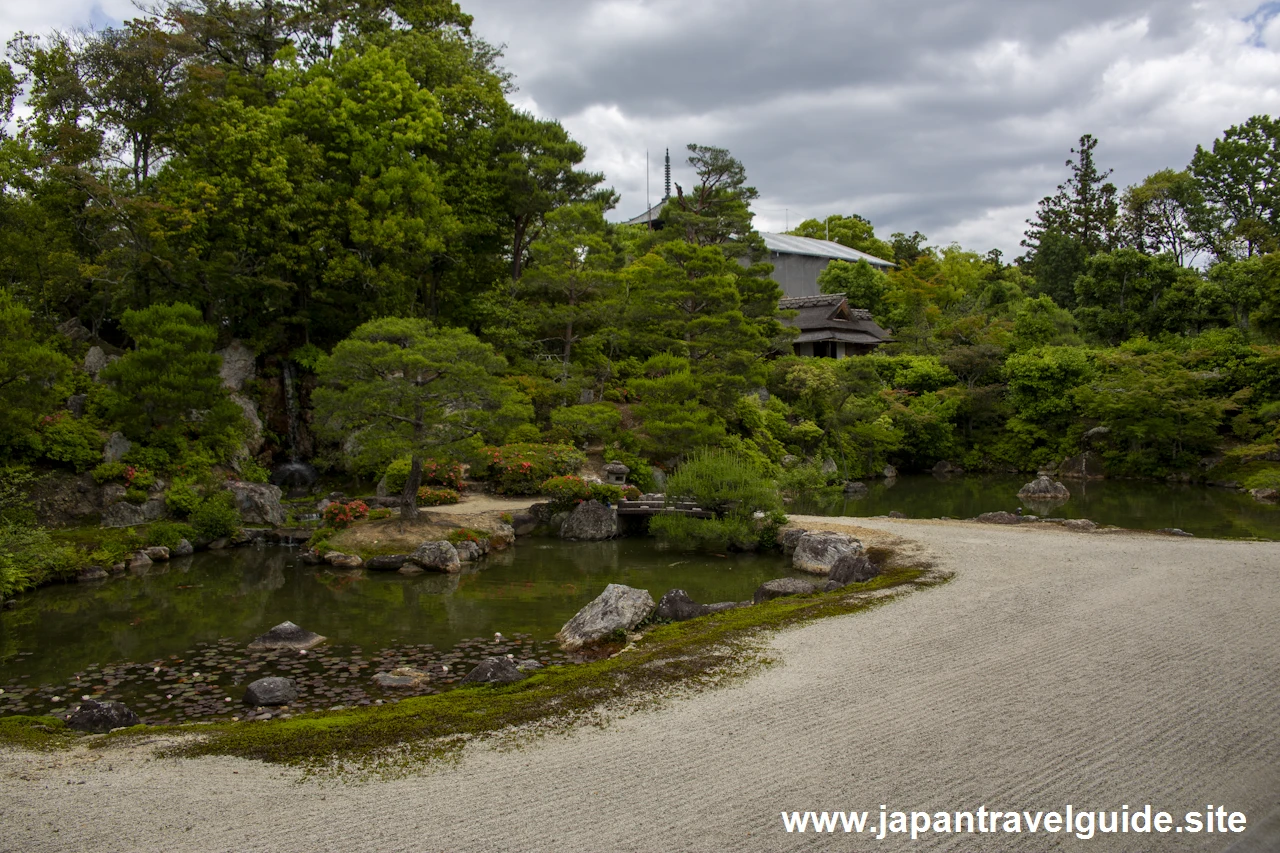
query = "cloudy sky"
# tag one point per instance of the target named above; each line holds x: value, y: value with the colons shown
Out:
x: 952, y: 118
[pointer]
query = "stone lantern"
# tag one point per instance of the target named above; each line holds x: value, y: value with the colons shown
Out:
x: 615, y: 474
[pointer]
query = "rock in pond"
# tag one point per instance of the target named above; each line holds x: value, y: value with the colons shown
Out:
x: 287, y: 635
x: 591, y: 521
x: 523, y: 523
x: 1265, y: 496
x: 405, y: 677
x: 494, y: 671
x: 468, y: 551
x: 789, y: 537
x: 439, y: 556
x: 852, y: 568
x: 272, y: 690
x: 258, y: 503
x: 386, y: 562
x: 676, y: 606
x: 618, y: 608
x: 1044, y: 489
x: 139, y: 562
x: 780, y: 587
x: 855, y: 490
x: 91, y: 573
x: 816, y: 552
x: 158, y: 553
x: 343, y: 561
x: 1000, y: 517
x: 94, y: 716
x: 184, y: 549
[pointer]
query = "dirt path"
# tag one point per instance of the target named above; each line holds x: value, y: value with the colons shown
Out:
x: 1097, y: 670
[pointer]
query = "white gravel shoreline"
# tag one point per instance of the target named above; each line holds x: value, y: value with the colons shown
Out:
x: 1055, y: 668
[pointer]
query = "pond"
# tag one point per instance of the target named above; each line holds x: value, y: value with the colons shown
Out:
x: 1136, y: 504
x: 171, y: 643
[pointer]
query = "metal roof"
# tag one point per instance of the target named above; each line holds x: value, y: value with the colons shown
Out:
x: 788, y: 244
x: 653, y: 214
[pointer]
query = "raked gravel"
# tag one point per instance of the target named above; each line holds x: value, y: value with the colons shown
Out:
x: 1086, y: 668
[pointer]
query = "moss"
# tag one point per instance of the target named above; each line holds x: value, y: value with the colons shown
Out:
x: 35, y: 733
x: 699, y: 652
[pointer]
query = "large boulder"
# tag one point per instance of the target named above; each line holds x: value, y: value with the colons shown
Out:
x: 184, y: 549
x: 339, y: 560
x: 591, y: 521
x: 946, y: 469
x: 468, y: 551
x: 157, y: 553
x: 287, y: 635
x: 254, y: 439
x: 438, y: 556
x: 523, y: 523
x: 780, y: 587
x: 272, y: 690
x: 94, y: 360
x: 816, y: 552
x: 618, y: 608
x: 258, y: 503
x: 125, y: 514
x: 1044, y: 489
x: 237, y: 365
x: 94, y: 716
x: 62, y: 499
x: 1083, y: 525
x: 494, y: 671
x: 502, y: 536
x: 855, y: 490
x: 1266, y: 496
x: 852, y: 568
x: 677, y: 606
x: 789, y: 538
x: 116, y: 447
x: 386, y: 562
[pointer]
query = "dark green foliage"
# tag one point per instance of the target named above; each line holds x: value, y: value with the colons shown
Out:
x: 216, y: 516
x: 727, y: 483
x: 598, y: 421
x: 521, y: 469
x: 169, y: 534
x: 30, y: 371
x: 29, y: 557
x: 16, y: 482
x: 167, y: 391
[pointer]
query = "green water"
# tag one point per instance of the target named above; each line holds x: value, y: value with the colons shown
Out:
x: 206, y: 608
x: 1136, y: 504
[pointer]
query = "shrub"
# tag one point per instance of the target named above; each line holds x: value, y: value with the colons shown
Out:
x: 182, y: 498
x: 430, y: 496
x: 216, y: 516
x: 802, y: 478
x: 524, y: 434
x: 520, y: 469
x: 150, y: 458
x: 16, y: 507
x: 735, y: 489
x: 465, y: 534
x: 169, y: 534
x: 252, y: 472
x: 343, y: 514
x: 29, y: 557
x: 380, y: 513
x: 135, y: 495
x: 565, y: 492
x: 109, y: 471
x: 70, y: 441
x: 594, y: 420
x: 604, y: 493
x: 631, y: 493
x: 705, y: 534
x: 138, y: 478
x: 435, y: 472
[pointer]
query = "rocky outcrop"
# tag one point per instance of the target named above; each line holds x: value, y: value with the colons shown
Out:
x: 1044, y: 489
x: 94, y: 360
x: 63, y: 500
x: 272, y: 690
x: 436, y: 556
x: 254, y: 439
x: 257, y: 503
x: 789, y: 538
x: 494, y: 671
x: 676, y: 606
x: 852, y: 568
x: 618, y: 608
x: 591, y: 521
x: 237, y: 365
x: 816, y: 552
x: 94, y: 716
x: 125, y: 514
x: 116, y: 447
x: 780, y: 587
x: 287, y: 635
x: 1084, y: 466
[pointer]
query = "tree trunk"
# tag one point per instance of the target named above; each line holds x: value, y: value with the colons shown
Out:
x: 409, y: 497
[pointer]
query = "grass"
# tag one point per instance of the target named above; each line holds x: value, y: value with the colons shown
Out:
x: 37, y: 734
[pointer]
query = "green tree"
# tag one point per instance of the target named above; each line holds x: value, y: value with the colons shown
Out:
x: 853, y: 231
x: 401, y: 387
x: 1164, y: 214
x: 1240, y: 179
x: 717, y: 210
x: 1125, y: 292
x: 167, y: 391
x: 30, y: 371
x: 862, y: 284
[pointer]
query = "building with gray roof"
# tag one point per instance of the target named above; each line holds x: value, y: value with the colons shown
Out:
x: 830, y: 328
x: 797, y: 261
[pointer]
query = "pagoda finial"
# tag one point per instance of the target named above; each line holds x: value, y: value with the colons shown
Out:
x: 666, y: 191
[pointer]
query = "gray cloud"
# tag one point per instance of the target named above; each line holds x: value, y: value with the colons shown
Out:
x: 950, y: 118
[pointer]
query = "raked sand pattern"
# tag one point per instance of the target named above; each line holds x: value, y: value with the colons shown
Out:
x: 1057, y: 667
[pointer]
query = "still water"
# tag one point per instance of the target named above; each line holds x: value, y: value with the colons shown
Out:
x: 184, y: 626
x: 1136, y: 504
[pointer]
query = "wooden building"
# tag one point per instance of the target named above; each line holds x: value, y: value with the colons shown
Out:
x: 829, y: 328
